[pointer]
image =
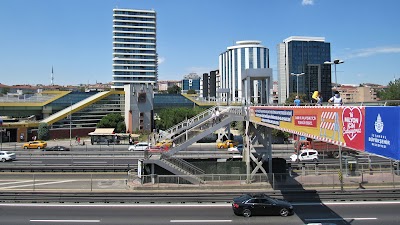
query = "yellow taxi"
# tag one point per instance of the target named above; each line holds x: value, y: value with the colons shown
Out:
x: 35, y: 144
x: 165, y: 143
x: 227, y: 144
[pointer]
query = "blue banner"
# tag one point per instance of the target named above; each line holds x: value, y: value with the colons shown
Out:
x: 382, y: 131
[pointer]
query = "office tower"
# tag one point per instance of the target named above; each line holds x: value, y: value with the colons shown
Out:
x: 134, y: 47
x: 306, y: 55
x: 249, y: 54
x: 191, y: 82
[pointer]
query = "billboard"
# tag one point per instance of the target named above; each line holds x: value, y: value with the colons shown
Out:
x: 342, y: 125
x: 382, y: 131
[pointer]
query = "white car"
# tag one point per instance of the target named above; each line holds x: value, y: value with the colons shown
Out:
x: 141, y: 146
x: 7, y: 156
x: 305, y: 155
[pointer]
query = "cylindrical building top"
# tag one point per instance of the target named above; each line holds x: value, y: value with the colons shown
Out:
x: 246, y: 43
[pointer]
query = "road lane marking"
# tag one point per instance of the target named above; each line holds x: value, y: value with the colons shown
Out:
x: 89, y: 162
x: 200, y: 221
x: 16, y: 182
x: 37, y: 184
x: 329, y: 219
x: 66, y: 221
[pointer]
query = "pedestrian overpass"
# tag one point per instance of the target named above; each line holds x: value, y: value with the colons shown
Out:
x: 371, y: 129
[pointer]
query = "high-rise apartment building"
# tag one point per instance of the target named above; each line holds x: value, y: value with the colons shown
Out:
x: 304, y: 55
x: 134, y: 47
x: 244, y: 55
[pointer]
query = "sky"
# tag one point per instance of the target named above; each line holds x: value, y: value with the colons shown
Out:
x: 75, y: 36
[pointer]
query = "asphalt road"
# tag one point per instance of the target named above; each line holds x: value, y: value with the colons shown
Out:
x: 362, y: 213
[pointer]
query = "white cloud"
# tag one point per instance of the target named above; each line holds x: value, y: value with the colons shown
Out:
x: 307, y: 2
x: 161, y: 60
x: 366, y: 52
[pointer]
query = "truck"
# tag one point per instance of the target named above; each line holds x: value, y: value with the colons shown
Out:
x: 329, y: 149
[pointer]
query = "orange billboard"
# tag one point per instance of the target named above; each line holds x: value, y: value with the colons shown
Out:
x: 341, y: 125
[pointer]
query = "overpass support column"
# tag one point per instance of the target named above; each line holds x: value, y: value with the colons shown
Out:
x: 259, y: 134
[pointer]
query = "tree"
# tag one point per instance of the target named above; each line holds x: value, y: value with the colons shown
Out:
x: 172, y: 116
x: 43, y: 132
x: 292, y: 96
x: 5, y: 90
x: 191, y: 92
x: 174, y: 90
x: 392, y: 92
x: 114, y: 120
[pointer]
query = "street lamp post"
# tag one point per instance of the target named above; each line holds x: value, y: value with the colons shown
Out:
x: 297, y: 75
x: 335, y: 62
x: 70, y: 125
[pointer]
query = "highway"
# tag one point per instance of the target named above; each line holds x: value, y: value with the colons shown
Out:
x: 356, y: 213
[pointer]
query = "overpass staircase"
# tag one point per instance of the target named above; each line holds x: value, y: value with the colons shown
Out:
x: 192, y: 133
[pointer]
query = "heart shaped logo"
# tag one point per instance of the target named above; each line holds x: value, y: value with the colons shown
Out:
x: 352, y: 121
x: 353, y: 127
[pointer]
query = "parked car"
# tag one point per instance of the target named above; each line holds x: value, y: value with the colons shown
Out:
x: 35, y: 144
x: 305, y: 155
x: 57, y: 148
x: 260, y: 204
x: 7, y: 156
x: 141, y: 146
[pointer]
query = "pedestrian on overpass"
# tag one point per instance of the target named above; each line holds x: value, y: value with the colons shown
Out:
x: 336, y: 99
x: 217, y: 116
x: 297, y: 101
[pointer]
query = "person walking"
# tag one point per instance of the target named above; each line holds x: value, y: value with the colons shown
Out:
x: 217, y: 114
x: 336, y: 99
x: 213, y: 118
x: 319, y: 100
x: 297, y: 101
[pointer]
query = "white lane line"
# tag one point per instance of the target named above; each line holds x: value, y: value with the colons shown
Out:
x: 329, y: 219
x: 16, y: 182
x: 89, y: 162
x: 66, y: 221
x: 200, y: 221
x: 33, y: 162
x: 37, y: 184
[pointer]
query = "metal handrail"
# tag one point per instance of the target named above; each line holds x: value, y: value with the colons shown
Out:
x: 184, y: 165
x: 187, y: 122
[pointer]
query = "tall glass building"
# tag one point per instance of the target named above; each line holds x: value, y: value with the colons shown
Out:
x: 304, y: 55
x: 134, y: 47
x: 248, y: 54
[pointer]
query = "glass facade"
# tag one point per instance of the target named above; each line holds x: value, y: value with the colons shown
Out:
x: 306, y: 55
x: 134, y: 47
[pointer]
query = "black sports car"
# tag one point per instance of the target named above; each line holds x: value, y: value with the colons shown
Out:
x: 260, y: 204
x: 56, y: 148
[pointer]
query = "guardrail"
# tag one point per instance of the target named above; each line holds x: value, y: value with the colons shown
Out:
x: 71, y: 168
x: 207, y: 197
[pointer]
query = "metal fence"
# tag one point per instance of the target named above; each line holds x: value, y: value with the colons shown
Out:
x: 293, y: 180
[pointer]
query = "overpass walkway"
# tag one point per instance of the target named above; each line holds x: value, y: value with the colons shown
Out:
x: 372, y: 129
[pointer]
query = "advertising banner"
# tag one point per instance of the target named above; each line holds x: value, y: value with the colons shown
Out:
x: 382, y: 131
x: 343, y: 125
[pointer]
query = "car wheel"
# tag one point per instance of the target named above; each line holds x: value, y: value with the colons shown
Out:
x: 246, y: 213
x: 3, y: 159
x: 284, y: 212
x: 38, y: 147
x: 315, y: 160
x: 336, y: 155
x: 25, y: 147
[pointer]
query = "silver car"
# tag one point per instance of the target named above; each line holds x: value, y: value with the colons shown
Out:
x: 141, y: 146
x: 7, y: 156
